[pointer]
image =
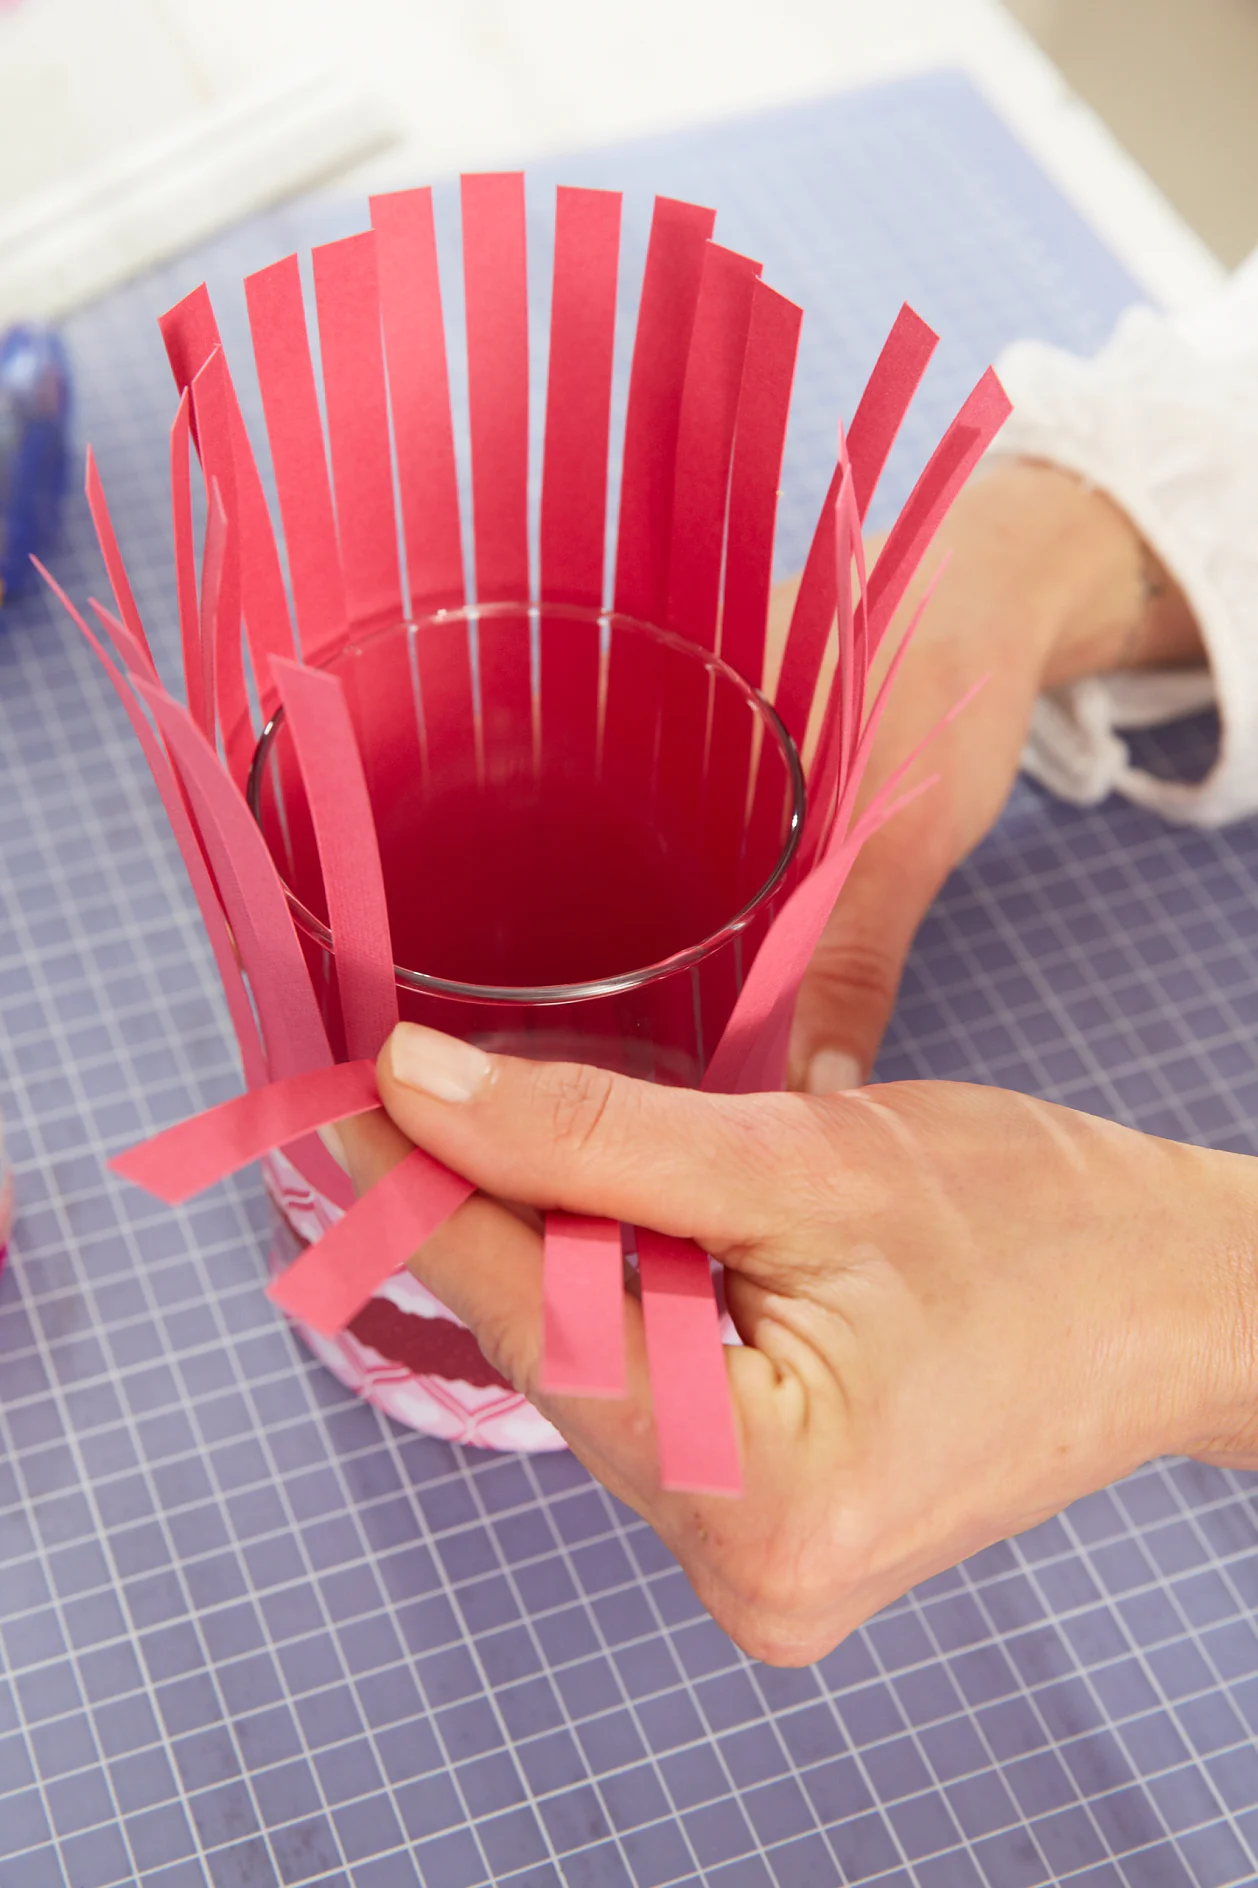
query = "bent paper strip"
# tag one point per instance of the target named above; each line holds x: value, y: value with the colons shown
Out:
x: 333, y: 1279
x: 196, y: 1154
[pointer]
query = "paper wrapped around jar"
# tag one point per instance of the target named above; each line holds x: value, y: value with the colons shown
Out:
x: 529, y: 815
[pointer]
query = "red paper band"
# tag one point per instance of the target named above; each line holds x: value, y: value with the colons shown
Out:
x: 951, y: 463
x: 195, y: 678
x: 220, y: 606
x: 759, y: 441
x: 253, y: 896
x: 119, y: 582
x: 670, y: 293
x: 290, y: 403
x: 419, y: 391
x: 336, y: 792
x: 348, y: 301
x: 694, y: 1417
x: 578, y: 395
x: 705, y: 442
x: 583, y: 1308
x: 191, y: 336
x: 495, y: 278
x: 333, y: 1279
x: 248, y: 1040
x: 186, y: 1159
x: 888, y: 394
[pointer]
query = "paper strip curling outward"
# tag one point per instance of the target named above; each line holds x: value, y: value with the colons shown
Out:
x: 333, y: 1279
x: 291, y: 1025
x: 248, y: 1040
x: 694, y: 1415
x: 888, y: 394
x: 191, y: 336
x: 345, y: 828
x: 119, y: 582
x: 220, y: 603
x: 583, y: 1307
x: 195, y: 1154
x: 193, y: 648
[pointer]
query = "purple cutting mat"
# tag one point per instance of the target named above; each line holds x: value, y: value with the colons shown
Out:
x: 251, y: 1633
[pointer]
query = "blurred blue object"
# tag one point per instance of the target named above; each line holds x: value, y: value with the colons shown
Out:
x: 34, y: 450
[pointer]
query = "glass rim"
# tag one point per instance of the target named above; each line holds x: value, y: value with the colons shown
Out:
x: 553, y: 993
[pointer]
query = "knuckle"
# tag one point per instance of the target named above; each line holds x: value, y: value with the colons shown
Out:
x: 855, y: 976
x: 506, y: 1350
x: 577, y: 1099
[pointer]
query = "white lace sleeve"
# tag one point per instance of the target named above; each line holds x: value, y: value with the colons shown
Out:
x: 1165, y: 420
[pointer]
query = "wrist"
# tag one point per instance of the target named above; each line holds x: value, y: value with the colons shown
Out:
x: 1105, y: 600
x: 1221, y: 1371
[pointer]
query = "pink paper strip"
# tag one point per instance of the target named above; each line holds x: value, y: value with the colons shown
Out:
x: 578, y: 395
x: 810, y: 623
x: 333, y: 1279
x: 358, y: 912
x: 888, y: 394
x: 253, y: 1061
x: 119, y: 582
x: 220, y: 632
x: 670, y: 293
x: 753, y: 1035
x: 294, y: 425
x: 951, y: 463
x: 694, y: 1418
x: 196, y: 1154
x: 348, y: 300
x: 583, y: 1308
x: 495, y: 279
x: 218, y: 579
x: 705, y: 443
x: 135, y: 657
x: 253, y: 896
x: 419, y: 390
x: 191, y: 336
x: 759, y: 441
x: 194, y: 669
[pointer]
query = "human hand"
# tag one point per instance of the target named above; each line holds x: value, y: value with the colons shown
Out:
x: 961, y: 1309
x: 1047, y: 582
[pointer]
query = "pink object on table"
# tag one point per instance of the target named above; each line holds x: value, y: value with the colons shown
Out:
x: 556, y: 827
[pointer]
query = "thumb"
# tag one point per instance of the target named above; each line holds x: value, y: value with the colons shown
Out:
x: 849, y: 992
x: 559, y: 1134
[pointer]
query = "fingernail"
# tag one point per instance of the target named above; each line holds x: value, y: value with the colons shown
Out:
x: 831, y: 1071
x: 438, y: 1065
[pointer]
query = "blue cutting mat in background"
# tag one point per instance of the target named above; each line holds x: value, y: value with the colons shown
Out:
x: 252, y: 1634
